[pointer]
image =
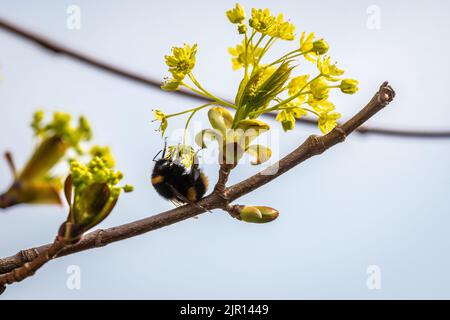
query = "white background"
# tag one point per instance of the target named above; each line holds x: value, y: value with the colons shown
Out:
x: 370, y: 201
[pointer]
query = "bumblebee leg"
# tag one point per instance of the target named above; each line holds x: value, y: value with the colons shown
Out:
x: 185, y: 200
x: 165, y: 148
x: 154, y: 158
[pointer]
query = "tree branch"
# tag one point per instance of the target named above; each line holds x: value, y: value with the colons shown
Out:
x: 224, y: 173
x: 29, y: 268
x: 57, y: 48
x: 314, y: 145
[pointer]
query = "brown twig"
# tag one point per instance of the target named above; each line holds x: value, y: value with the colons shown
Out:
x: 314, y: 145
x: 57, y: 48
x: 29, y: 268
x: 224, y: 173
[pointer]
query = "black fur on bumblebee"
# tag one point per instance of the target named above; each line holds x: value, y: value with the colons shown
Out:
x: 173, y: 181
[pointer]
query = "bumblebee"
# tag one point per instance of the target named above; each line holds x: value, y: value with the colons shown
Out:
x: 173, y: 181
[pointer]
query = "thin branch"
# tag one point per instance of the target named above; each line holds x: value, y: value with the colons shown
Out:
x: 314, y: 145
x: 29, y: 268
x: 57, y: 48
x: 224, y: 173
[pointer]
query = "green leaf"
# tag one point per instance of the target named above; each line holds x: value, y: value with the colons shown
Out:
x: 44, y: 158
x: 220, y: 118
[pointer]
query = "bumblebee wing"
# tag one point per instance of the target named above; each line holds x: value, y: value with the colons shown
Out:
x: 176, y: 202
x: 179, y: 198
x: 195, y: 173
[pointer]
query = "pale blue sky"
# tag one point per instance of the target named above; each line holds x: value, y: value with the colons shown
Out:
x: 369, y: 201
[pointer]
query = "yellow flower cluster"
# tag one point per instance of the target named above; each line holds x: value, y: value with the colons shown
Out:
x: 311, y: 48
x: 98, y: 170
x: 327, y: 118
x: 92, y: 193
x: 349, y: 86
x: 236, y: 15
x: 297, y: 84
x: 60, y: 126
x: 265, y: 86
x: 288, y: 115
x: 315, y: 93
x: 36, y: 183
x: 301, y: 89
x: 330, y: 71
x: 261, y: 20
x: 103, y: 152
x: 282, y: 29
x: 241, y: 57
x: 180, y: 63
x: 265, y: 23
